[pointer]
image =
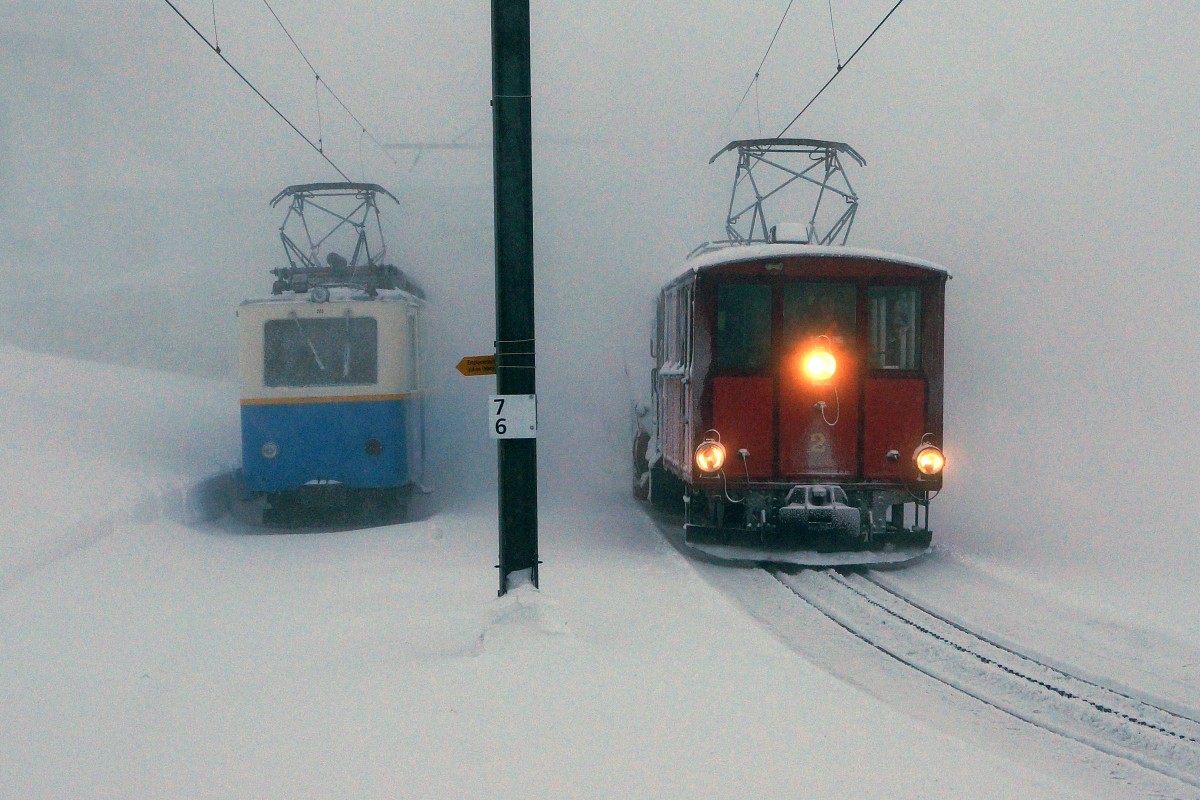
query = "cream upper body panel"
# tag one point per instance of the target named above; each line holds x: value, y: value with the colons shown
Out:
x: 397, y: 319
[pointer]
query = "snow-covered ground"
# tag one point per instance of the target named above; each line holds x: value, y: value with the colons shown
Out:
x: 145, y: 653
x: 152, y: 655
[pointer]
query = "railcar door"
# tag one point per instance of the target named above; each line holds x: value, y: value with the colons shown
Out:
x: 896, y: 390
x: 673, y: 375
x: 818, y: 415
x: 743, y: 384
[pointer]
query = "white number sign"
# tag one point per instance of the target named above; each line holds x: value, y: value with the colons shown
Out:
x: 512, y: 416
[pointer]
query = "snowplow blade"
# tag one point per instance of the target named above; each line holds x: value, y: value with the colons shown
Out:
x: 713, y: 544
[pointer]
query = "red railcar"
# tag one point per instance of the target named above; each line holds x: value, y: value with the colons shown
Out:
x: 798, y: 402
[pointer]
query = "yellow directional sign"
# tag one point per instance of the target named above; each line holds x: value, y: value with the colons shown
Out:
x: 477, y: 365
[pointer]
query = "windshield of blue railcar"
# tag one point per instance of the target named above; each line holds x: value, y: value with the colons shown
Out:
x: 320, y: 352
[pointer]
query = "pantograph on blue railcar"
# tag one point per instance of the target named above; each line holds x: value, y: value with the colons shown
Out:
x: 332, y: 406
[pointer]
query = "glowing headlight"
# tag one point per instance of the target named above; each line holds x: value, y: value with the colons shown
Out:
x: 819, y: 365
x: 929, y: 459
x: 710, y: 455
x: 270, y: 450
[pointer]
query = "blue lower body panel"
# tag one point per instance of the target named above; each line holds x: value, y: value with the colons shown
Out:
x: 326, y: 442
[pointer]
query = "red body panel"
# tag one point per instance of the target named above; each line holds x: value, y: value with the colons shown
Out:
x: 743, y: 411
x: 768, y: 409
x: 895, y: 420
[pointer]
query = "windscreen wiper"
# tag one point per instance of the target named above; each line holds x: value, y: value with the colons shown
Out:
x: 312, y: 348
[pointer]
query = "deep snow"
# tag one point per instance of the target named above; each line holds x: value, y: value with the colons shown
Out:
x: 138, y: 171
x: 156, y: 659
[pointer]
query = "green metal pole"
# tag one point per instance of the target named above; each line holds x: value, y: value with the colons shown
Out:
x: 512, y: 166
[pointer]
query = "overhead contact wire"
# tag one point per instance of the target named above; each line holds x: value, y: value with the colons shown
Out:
x: 840, y: 68
x: 254, y: 89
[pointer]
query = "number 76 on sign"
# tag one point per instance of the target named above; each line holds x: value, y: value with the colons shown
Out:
x: 512, y: 416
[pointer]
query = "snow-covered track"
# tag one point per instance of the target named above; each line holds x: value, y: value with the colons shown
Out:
x: 1049, y: 697
x: 1169, y: 707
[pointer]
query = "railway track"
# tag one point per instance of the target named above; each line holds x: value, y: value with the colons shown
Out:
x: 1117, y: 723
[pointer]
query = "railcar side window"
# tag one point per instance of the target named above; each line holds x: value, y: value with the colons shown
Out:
x: 670, y: 348
x: 685, y: 339
x: 743, y: 327
x: 819, y: 309
x: 414, y: 353
x: 894, y: 320
x: 320, y: 352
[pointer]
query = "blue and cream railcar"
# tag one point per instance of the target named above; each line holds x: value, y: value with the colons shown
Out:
x: 331, y: 399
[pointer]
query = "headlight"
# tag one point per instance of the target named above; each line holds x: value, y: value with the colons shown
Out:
x: 270, y: 450
x: 819, y: 365
x: 929, y: 459
x: 710, y: 455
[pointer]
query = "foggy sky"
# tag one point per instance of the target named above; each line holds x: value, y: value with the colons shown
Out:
x: 1044, y: 155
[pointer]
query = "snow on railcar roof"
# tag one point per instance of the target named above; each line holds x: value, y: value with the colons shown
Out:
x: 339, y: 294
x: 733, y: 253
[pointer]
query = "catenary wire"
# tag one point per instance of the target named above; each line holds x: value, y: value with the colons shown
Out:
x: 216, y: 37
x: 758, y: 69
x: 328, y: 88
x: 758, y: 108
x: 320, y: 122
x: 292, y: 40
x: 840, y: 68
x: 833, y: 28
x: 254, y: 89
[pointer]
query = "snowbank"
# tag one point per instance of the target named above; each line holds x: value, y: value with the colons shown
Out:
x: 87, y: 448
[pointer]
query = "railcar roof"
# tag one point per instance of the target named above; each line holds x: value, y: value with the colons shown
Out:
x: 734, y: 253
x: 339, y: 294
